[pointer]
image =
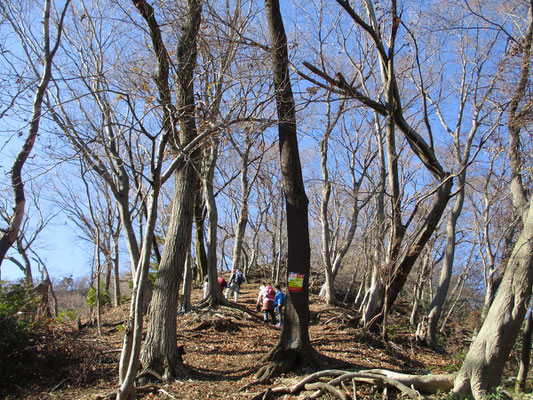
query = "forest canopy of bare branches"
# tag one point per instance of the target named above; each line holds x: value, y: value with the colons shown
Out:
x: 378, y: 151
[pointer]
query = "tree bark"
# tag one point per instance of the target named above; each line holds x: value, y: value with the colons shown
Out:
x: 328, y: 290
x: 243, y: 215
x: 185, y: 303
x: 525, y: 356
x: 335, y: 249
x: 418, y: 290
x: 407, y: 261
x: 116, y: 271
x: 199, y: 221
x: 215, y: 295
x: 294, y: 347
x: 160, y: 352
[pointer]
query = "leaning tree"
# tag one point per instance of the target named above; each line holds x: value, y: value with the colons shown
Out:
x: 483, y: 366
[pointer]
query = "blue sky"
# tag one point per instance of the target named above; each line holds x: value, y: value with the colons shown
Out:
x: 62, y: 251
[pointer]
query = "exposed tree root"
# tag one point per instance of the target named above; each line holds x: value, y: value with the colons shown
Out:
x: 272, y: 369
x: 423, y: 383
x: 211, y: 302
x: 280, y: 361
x: 145, y: 374
x: 266, y: 395
x: 162, y: 369
x: 321, y: 387
x: 141, y: 390
x: 334, y: 382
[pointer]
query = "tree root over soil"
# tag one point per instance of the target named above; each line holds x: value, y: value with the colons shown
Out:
x: 281, y: 361
x: 212, y: 303
x: 141, y: 390
x: 335, y: 382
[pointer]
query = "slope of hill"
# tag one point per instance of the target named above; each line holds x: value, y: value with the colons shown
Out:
x: 223, y: 350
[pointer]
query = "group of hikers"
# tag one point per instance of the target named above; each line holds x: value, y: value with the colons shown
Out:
x: 268, y: 300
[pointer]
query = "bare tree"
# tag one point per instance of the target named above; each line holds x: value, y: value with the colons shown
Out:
x: 483, y: 366
x: 217, y: 75
x: 160, y: 350
x: 471, y: 95
x: 237, y: 258
x: 104, y: 130
x: 131, y: 349
x: 294, y: 347
x: 399, y: 260
x: 335, y: 245
x: 215, y: 295
x: 494, y: 219
x: 48, y: 50
x: 30, y: 230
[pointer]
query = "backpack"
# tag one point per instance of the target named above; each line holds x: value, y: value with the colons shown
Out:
x: 239, y: 277
x: 270, y: 292
x: 279, y: 300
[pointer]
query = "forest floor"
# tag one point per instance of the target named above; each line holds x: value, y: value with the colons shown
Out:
x: 223, y: 350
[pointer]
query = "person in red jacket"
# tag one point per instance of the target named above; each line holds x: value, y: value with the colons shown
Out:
x: 265, y: 302
x: 222, y: 283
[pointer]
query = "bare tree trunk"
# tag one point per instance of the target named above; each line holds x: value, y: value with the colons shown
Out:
x: 160, y: 352
x: 373, y: 301
x: 250, y: 262
x: 373, y: 284
x: 199, y: 221
x: 350, y: 288
x: 407, y: 261
x: 131, y: 348
x: 185, y: 303
x: 457, y: 294
x: 98, y: 284
x: 277, y: 246
x: 327, y: 290
x: 243, y: 216
x: 294, y: 347
x: 419, y: 286
x: 215, y: 295
x: 428, y: 335
x: 116, y: 271
x: 360, y: 290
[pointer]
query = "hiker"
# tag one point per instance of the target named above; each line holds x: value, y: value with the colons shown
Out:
x: 279, y: 302
x: 222, y: 283
x: 265, y: 302
x: 206, y: 286
x: 235, y: 281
